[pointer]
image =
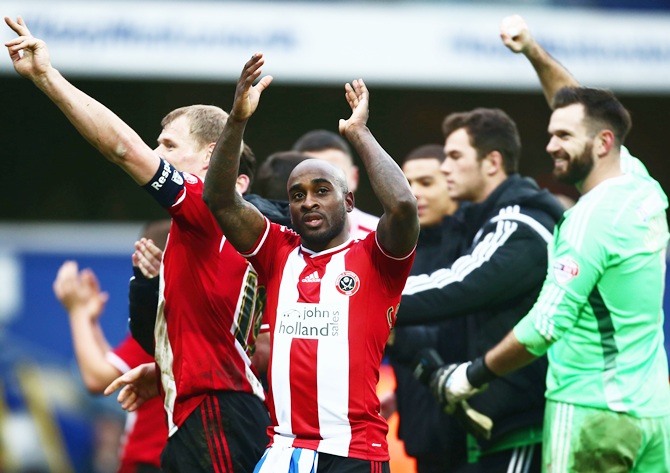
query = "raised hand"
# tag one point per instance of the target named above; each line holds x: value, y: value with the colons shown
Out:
x: 147, y: 257
x: 357, y: 96
x: 29, y: 55
x: 515, y: 34
x: 79, y: 292
x: 248, y: 95
x: 138, y: 386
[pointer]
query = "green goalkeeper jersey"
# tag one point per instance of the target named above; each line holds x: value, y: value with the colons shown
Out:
x: 599, y: 316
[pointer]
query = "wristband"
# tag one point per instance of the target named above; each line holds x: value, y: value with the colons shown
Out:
x: 479, y: 374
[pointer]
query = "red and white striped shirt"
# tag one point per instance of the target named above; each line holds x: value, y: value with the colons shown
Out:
x: 330, y: 314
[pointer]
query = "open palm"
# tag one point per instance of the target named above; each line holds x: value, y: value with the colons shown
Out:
x: 357, y: 96
x: 247, y: 95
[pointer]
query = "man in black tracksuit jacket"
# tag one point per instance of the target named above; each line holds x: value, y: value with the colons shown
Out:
x: 501, y: 231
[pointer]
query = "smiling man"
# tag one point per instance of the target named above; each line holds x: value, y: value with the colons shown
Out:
x: 499, y: 237
x: 599, y: 316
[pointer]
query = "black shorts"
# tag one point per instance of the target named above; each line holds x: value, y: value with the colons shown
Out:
x: 334, y: 464
x: 226, y: 433
x: 147, y: 468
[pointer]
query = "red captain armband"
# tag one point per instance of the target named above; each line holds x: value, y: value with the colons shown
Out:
x: 166, y: 184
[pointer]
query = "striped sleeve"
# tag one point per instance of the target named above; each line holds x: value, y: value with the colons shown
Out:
x: 577, y: 262
x: 508, y: 260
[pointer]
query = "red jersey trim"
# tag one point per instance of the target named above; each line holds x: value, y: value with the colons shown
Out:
x: 259, y: 243
x: 397, y: 258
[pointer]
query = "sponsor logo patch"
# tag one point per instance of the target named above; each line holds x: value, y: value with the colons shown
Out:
x: 309, y: 321
x: 565, y: 269
x: 176, y: 178
x: 165, y: 173
x: 348, y: 283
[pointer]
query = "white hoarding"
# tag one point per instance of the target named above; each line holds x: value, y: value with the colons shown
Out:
x: 406, y: 43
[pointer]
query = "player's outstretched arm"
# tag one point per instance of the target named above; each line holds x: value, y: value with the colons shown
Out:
x: 239, y: 220
x: 96, y: 123
x: 80, y: 294
x: 516, y: 35
x: 398, y: 228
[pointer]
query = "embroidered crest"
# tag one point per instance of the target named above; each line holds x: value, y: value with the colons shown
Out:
x: 348, y: 283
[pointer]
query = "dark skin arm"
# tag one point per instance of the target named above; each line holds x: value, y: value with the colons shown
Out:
x: 398, y: 227
x: 239, y: 220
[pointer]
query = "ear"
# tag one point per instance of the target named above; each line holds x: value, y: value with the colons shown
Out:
x: 492, y: 164
x: 603, y: 143
x: 349, y: 201
x: 208, y: 155
x: 242, y: 183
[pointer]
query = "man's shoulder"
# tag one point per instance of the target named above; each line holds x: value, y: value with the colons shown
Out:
x: 521, y: 195
x: 618, y: 202
x: 517, y: 221
x: 527, y: 206
x: 630, y: 164
x: 280, y: 237
x: 192, y: 219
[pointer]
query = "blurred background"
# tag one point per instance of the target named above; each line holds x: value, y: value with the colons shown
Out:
x: 421, y: 60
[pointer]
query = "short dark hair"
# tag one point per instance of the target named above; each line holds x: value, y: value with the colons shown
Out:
x: 319, y: 140
x: 274, y: 172
x: 489, y: 129
x: 601, y: 109
x: 424, y: 152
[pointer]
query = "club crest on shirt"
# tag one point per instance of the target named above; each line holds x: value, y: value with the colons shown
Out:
x: 565, y: 269
x: 348, y: 283
x: 191, y: 179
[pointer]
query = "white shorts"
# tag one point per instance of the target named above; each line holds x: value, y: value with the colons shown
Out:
x: 278, y: 459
